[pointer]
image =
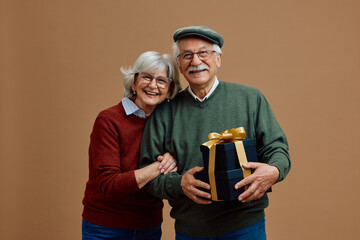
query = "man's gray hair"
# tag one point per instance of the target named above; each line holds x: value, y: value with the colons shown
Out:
x: 216, y: 47
x: 154, y: 62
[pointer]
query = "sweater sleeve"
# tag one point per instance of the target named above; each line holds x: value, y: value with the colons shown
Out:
x: 156, y: 142
x: 272, y: 143
x: 105, y: 154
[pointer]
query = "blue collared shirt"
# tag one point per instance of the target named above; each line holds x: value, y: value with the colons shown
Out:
x: 131, y: 108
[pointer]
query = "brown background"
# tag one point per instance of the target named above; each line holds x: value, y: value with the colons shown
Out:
x: 60, y: 65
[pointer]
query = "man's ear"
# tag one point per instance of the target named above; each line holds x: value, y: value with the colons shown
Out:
x: 218, y: 60
x: 178, y: 64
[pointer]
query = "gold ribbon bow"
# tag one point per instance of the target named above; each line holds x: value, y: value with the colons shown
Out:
x: 235, y: 136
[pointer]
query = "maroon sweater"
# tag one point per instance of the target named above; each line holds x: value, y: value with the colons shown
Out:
x: 112, y: 197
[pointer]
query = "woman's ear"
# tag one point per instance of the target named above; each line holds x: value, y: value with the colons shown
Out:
x: 171, y: 90
x: 133, y: 84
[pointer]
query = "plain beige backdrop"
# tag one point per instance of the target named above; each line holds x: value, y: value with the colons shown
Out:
x: 60, y: 65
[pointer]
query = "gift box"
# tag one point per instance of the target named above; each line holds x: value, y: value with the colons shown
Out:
x: 223, y: 157
x: 227, y: 168
x: 226, y: 157
x: 225, y: 182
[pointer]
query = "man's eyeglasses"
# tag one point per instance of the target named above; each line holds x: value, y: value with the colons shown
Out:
x: 203, y: 55
x: 161, y: 81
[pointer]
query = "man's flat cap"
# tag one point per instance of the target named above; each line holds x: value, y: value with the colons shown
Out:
x: 199, y: 31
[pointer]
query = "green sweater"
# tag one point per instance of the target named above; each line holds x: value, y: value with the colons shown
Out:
x: 182, y: 125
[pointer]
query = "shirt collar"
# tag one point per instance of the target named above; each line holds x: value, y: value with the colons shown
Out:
x: 216, y: 83
x: 131, y: 108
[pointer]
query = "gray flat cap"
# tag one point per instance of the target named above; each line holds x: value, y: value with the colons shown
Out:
x: 199, y: 31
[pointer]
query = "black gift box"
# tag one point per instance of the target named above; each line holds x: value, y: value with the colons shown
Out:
x: 227, y: 168
x: 226, y: 157
x: 225, y: 182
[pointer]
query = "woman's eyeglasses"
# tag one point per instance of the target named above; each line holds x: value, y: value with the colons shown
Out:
x: 161, y: 81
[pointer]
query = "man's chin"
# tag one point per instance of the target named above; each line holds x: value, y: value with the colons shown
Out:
x: 198, y: 82
x: 197, y: 77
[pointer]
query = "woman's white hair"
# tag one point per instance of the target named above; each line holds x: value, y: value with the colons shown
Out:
x: 216, y: 47
x: 155, y: 62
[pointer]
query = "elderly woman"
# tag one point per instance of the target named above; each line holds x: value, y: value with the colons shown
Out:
x: 115, y: 205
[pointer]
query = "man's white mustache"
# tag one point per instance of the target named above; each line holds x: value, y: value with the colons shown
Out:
x: 198, y: 68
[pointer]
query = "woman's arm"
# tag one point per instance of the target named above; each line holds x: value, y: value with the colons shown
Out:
x: 165, y: 164
x: 146, y: 174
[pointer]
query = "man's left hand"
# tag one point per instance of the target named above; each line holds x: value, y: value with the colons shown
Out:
x: 259, y: 182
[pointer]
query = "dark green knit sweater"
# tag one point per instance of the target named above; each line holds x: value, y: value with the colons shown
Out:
x: 182, y: 125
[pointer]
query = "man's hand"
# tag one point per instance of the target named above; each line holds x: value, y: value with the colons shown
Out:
x: 167, y: 163
x: 260, y: 181
x: 190, y: 187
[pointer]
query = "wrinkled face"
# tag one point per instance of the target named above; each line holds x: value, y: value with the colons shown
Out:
x: 198, y: 72
x: 148, y: 94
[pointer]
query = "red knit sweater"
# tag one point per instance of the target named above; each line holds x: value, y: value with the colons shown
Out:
x: 112, y: 197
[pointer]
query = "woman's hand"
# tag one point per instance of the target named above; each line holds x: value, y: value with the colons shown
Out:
x: 167, y: 163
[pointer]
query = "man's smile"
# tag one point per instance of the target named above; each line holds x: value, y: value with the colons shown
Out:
x: 197, y: 71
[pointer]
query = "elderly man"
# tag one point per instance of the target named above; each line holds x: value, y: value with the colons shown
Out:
x: 180, y: 126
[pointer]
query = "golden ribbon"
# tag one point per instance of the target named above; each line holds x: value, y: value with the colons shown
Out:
x: 235, y: 136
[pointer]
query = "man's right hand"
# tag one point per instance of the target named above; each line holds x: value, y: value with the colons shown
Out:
x: 190, y: 187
